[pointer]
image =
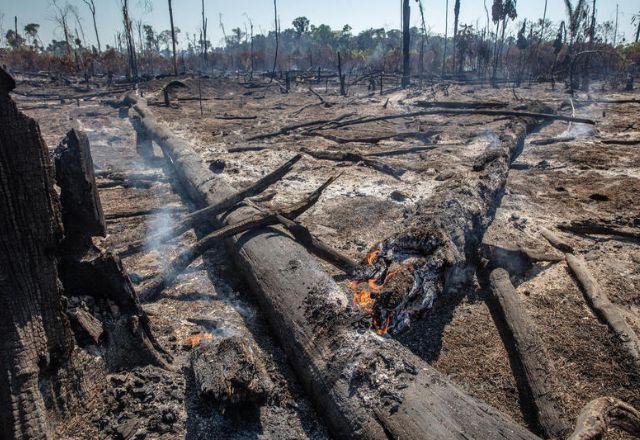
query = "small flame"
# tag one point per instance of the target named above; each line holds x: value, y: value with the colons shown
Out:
x: 372, y: 257
x: 365, y: 297
x: 198, y: 338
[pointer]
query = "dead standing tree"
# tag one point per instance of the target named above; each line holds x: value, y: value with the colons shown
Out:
x: 92, y: 8
x: 406, y: 44
x: 275, y: 56
x: 173, y: 40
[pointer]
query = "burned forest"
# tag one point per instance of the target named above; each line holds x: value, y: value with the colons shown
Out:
x: 267, y: 227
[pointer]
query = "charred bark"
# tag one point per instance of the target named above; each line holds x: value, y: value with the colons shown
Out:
x: 444, y: 234
x: 36, y: 339
x: 364, y: 385
x: 538, y: 370
x: 86, y: 269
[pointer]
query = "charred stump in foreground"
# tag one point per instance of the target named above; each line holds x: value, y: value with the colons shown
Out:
x: 35, y: 336
x: 86, y: 269
x: 365, y: 386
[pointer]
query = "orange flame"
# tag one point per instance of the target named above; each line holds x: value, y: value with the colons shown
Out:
x: 198, y: 338
x: 372, y: 256
x: 364, y: 296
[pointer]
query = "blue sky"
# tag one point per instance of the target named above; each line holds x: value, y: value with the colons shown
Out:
x: 360, y: 14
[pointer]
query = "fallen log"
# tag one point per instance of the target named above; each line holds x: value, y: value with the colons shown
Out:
x: 289, y: 128
x: 444, y: 233
x: 365, y: 386
x: 245, y: 149
x: 613, y: 141
x: 206, y: 214
x: 556, y: 241
x: 186, y: 257
x: 538, y: 370
x: 401, y: 151
x: 554, y: 140
x: 487, y: 112
x: 234, y: 117
x: 145, y: 212
x: 461, y: 104
x: 345, y: 156
x: 604, y: 308
x: 599, y: 415
x: 590, y: 227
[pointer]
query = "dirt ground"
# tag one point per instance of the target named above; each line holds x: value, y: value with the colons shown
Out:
x: 462, y: 336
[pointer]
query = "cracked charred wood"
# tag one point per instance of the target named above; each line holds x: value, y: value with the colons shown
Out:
x: 208, y: 213
x: 345, y: 156
x: 604, y: 308
x: 230, y: 372
x: 235, y: 117
x: 82, y: 214
x: 85, y: 269
x: 365, y: 386
x: 185, y: 258
x: 590, y: 227
x: 538, y: 369
x: 444, y: 233
x: 603, y: 413
x: 87, y: 329
x: 36, y: 337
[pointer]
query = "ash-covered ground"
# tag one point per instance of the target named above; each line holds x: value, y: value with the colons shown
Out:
x: 580, y: 179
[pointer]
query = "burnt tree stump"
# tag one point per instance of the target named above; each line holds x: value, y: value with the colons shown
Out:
x: 86, y: 269
x: 36, y: 338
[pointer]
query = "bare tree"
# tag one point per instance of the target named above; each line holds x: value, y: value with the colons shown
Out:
x: 204, y: 35
x: 456, y: 16
x: 92, y: 7
x: 446, y: 28
x: 61, y: 17
x: 128, y: 34
x: 636, y: 20
x: 406, y: 44
x: 173, y: 40
x: 251, y: 45
x: 275, y: 56
x: 423, y: 29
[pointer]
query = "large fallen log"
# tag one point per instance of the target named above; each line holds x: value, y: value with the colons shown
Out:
x: 442, y: 236
x: 538, y: 370
x: 364, y: 385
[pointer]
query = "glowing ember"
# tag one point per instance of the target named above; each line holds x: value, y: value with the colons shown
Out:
x: 198, y: 338
x: 365, y: 296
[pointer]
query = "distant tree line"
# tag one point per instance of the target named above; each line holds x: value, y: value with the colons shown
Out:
x: 537, y: 49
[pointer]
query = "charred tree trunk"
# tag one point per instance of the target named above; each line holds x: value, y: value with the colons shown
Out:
x: 36, y: 339
x: 406, y: 44
x: 444, y: 233
x: 364, y: 385
x: 173, y: 40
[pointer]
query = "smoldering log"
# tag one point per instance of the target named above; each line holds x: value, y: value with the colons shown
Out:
x: 608, y: 312
x: 445, y: 231
x: 538, y: 369
x: 186, y: 257
x: 365, y: 386
x: 206, y: 214
x: 86, y: 269
x: 549, y: 141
